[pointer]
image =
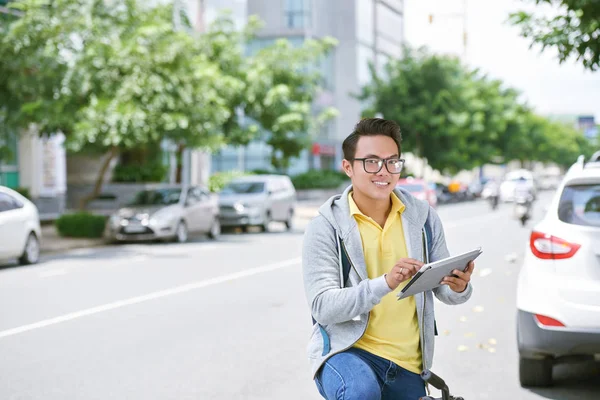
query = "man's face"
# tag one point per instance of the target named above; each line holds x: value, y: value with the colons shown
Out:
x: 376, y: 186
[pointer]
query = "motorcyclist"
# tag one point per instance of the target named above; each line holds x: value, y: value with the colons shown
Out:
x: 523, y: 197
x: 493, y: 192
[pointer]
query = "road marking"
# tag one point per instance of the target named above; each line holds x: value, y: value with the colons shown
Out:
x: 48, y: 274
x: 150, y: 296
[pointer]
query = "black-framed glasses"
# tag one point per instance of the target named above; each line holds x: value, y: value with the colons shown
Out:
x: 373, y: 165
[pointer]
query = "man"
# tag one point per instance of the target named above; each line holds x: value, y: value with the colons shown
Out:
x: 366, y: 344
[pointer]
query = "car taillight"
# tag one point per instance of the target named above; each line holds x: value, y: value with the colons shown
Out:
x: 547, y: 321
x: 549, y: 247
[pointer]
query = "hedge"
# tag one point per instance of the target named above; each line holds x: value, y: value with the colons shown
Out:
x: 319, y: 179
x: 81, y: 225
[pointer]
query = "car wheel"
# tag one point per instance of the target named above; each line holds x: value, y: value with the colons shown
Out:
x: 290, y: 220
x: 215, y: 229
x: 181, y: 232
x: 535, y: 372
x: 31, y: 254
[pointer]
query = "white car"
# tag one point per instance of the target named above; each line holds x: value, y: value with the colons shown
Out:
x: 507, y: 187
x: 166, y: 213
x: 558, y: 292
x: 20, y: 230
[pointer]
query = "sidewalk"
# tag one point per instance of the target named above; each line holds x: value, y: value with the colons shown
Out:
x: 52, y: 242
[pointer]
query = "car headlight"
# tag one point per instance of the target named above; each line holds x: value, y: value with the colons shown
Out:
x: 239, y: 207
x: 115, y: 220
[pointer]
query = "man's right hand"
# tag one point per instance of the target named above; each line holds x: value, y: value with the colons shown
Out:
x: 404, y: 269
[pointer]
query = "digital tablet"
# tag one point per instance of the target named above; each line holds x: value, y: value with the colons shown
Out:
x: 430, y: 275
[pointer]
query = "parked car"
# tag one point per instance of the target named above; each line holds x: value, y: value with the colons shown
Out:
x: 20, y: 230
x: 170, y: 213
x: 558, y: 290
x: 420, y: 189
x: 257, y: 200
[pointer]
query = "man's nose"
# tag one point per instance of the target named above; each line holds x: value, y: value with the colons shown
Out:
x: 383, y: 171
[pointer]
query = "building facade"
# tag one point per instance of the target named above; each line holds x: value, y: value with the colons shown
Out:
x: 368, y: 32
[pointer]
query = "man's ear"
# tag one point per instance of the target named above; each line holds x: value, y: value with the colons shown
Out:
x: 347, y: 167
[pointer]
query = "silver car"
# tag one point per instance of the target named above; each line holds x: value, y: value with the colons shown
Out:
x: 171, y: 213
x: 257, y: 200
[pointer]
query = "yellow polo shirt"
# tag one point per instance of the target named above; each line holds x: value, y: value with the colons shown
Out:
x: 393, y: 329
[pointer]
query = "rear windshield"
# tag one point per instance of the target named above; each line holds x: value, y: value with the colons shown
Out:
x: 580, y: 205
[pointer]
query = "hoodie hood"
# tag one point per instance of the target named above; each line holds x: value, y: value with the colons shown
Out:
x: 336, y: 210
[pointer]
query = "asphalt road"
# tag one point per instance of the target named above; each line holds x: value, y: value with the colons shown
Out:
x: 229, y: 320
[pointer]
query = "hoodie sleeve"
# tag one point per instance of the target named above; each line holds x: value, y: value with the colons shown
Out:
x: 329, y: 303
x: 439, y: 250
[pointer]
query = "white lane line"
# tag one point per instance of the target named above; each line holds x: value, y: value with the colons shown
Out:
x: 48, y: 274
x: 150, y: 296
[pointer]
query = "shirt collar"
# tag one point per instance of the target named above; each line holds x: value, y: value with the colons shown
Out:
x: 397, y: 205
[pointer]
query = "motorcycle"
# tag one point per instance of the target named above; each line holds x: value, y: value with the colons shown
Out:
x: 494, y: 201
x: 523, y: 209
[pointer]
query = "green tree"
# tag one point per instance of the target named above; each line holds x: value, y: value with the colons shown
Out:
x: 574, y: 30
x: 278, y: 85
x: 440, y: 106
x: 111, y: 77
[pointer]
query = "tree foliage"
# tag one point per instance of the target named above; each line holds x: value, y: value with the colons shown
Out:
x: 115, y: 74
x: 457, y: 119
x: 573, y: 30
x: 278, y: 84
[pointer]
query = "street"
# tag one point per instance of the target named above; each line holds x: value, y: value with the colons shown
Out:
x: 229, y: 320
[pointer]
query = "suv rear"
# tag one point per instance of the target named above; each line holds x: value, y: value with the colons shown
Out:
x: 558, y: 292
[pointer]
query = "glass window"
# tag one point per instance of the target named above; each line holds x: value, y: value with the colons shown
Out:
x: 365, y: 55
x: 8, y: 203
x: 158, y: 197
x: 396, y: 4
x: 382, y: 60
x: 389, y: 23
x: 392, y: 49
x: 244, y: 187
x: 580, y: 205
x: 364, y: 21
x: 193, y: 196
x: 297, y: 13
x: 326, y: 70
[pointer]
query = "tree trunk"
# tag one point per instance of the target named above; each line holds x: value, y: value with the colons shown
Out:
x: 112, y: 153
x: 179, y: 158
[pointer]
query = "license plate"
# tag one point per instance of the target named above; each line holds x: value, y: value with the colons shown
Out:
x: 135, y: 229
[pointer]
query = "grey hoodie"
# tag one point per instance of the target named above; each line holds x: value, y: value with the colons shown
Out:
x: 342, y: 312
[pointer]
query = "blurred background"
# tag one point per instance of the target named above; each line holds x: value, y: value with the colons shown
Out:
x: 126, y: 125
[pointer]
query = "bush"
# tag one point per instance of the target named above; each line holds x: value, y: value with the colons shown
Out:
x: 155, y: 172
x: 218, y: 180
x: 81, y: 225
x: 263, y: 172
x: 23, y: 192
x: 319, y: 179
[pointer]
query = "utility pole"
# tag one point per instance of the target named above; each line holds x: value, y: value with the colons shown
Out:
x: 200, y: 160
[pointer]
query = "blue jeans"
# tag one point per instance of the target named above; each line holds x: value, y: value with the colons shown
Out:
x: 358, y: 374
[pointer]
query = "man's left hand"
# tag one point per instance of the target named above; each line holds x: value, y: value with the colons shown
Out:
x: 460, y: 282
